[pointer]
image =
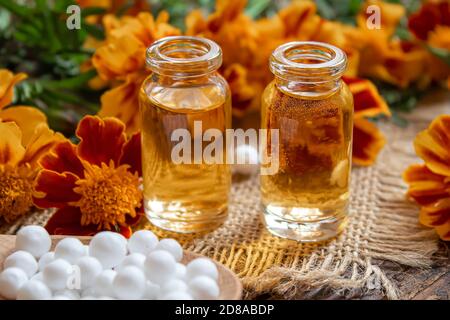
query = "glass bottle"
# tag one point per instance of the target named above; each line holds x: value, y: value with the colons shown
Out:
x: 307, y: 198
x: 184, y: 191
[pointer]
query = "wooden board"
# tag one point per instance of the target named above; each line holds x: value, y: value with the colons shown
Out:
x: 229, y: 283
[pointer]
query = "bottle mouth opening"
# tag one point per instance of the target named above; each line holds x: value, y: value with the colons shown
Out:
x: 308, y: 61
x: 184, y: 56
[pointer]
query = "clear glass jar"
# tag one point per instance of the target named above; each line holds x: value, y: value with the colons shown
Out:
x: 183, y: 190
x: 307, y: 199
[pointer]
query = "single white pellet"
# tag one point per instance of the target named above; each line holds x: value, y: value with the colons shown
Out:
x: 11, y: 280
x: 89, y: 268
x: 159, y: 266
x: 109, y: 248
x: 173, y: 285
x: 134, y: 259
x: 22, y: 260
x: 56, y: 274
x: 152, y: 291
x: 204, y: 288
x: 142, y: 241
x: 129, y: 284
x: 69, y: 249
x: 46, y: 259
x: 103, y: 284
x: 34, y: 290
x: 201, y: 267
x: 172, y: 246
x: 33, y: 239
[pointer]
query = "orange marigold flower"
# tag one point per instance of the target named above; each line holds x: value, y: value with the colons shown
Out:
x: 95, y: 184
x: 429, y: 183
x: 367, y: 138
x: 430, y: 15
x: 25, y: 138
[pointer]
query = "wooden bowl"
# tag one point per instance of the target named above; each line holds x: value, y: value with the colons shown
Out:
x: 229, y: 283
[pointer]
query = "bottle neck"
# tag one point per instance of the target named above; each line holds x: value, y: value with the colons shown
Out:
x: 184, y: 58
x: 308, y: 69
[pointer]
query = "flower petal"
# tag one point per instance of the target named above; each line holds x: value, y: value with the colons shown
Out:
x: 63, y: 158
x: 102, y: 140
x: 367, y: 100
x: 132, y: 154
x: 367, y: 142
x: 11, y: 149
x: 437, y: 216
x: 66, y: 221
x: 425, y: 187
x: 433, y: 145
x: 42, y: 140
x: 55, y: 189
x: 7, y: 82
x: 26, y: 118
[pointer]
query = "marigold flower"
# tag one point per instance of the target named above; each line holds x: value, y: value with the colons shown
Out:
x: 429, y: 183
x: 95, y: 184
x: 25, y: 138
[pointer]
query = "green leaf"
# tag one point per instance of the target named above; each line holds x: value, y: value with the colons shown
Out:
x: 256, y: 7
x: 71, y: 83
x: 94, y: 30
x: 17, y: 9
x: 91, y: 11
x: 442, y: 54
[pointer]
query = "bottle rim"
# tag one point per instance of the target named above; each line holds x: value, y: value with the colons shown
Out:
x: 308, y: 61
x: 184, y: 56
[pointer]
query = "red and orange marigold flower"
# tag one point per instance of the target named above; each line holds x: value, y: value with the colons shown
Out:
x: 95, y: 184
x: 429, y: 183
x: 24, y: 138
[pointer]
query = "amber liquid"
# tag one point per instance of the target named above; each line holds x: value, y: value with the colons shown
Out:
x: 186, y: 197
x: 307, y: 199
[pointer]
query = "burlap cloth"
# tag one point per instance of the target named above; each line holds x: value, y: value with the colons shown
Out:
x: 383, y: 226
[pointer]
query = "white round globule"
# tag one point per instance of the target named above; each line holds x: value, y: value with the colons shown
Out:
x: 201, y: 267
x: 129, y: 283
x: 38, y: 277
x: 248, y: 157
x: 71, y: 294
x: 46, y: 259
x: 69, y: 249
x: 56, y: 274
x: 33, y: 239
x: 172, y: 246
x: 109, y: 248
x: 142, y: 241
x: 181, y: 295
x: 159, y: 266
x: 134, y: 259
x: 204, y: 288
x: 34, y: 290
x: 22, y: 260
x: 173, y: 285
x: 152, y: 291
x: 89, y: 268
x: 11, y: 280
x: 180, y: 272
x: 103, y: 284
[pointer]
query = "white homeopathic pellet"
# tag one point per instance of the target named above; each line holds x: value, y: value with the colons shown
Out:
x: 204, y: 288
x: 172, y: 246
x: 22, y: 260
x: 134, y: 259
x: 160, y: 266
x: 11, y: 280
x: 33, y: 239
x: 103, y: 284
x: 89, y: 268
x: 129, y: 283
x: 142, y: 241
x: 201, y: 267
x: 46, y: 259
x: 69, y: 249
x: 152, y: 291
x: 109, y: 248
x: 34, y: 290
x: 56, y: 274
x: 173, y: 285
